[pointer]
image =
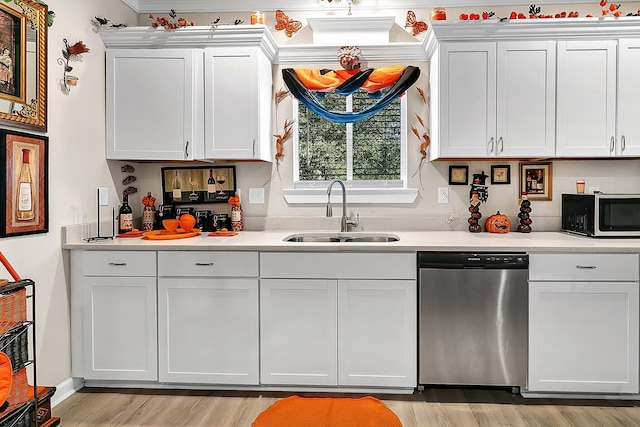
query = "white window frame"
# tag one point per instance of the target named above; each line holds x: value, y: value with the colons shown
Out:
x: 370, y: 192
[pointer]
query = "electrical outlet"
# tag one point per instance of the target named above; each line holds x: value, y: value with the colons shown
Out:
x: 443, y: 195
x: 256, y: 195
x: 103, y: 196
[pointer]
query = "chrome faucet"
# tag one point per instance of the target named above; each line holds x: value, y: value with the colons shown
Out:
x: 345, y: 221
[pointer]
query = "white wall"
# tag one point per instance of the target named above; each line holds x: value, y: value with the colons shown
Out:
x: 76, y: 167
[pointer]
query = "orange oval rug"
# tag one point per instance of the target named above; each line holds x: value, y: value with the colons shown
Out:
x: 296, y: 411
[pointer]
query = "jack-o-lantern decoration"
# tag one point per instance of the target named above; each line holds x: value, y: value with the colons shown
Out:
x: 498, y: 223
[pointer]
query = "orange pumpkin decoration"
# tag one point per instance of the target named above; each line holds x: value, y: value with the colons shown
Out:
x: 187, y: 222
x: 498, y: 223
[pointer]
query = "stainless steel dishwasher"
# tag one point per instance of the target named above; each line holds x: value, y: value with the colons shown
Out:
x: 473, y: 318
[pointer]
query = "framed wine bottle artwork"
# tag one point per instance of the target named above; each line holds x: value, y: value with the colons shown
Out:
x: 198, y: 184
x: 24, y: 202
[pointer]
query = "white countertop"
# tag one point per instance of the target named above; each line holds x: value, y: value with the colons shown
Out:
x: 410, y: 241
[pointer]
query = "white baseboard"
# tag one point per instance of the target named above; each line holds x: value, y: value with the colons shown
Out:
x: 65, y: 389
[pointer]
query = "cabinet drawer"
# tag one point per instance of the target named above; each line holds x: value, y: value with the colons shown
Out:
x: 300, y: 265
x: 119, y: 263
x: 584, y: 267
x: 207, y: 263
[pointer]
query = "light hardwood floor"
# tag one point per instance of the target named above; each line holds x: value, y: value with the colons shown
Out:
x: 441, y: 407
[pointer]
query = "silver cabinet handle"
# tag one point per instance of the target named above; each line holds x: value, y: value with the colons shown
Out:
x: 613, y: 144
x: 254, y: 148
x: 491, y: 142
x: 623, y: 143
x: 501, y: 144
x: 119, y: 264
x: 586, y: 266
x: 186, y: 150
x: 206, y: 264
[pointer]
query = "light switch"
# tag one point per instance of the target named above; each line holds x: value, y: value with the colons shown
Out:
x: 103, y: 196
x: 256, y: 195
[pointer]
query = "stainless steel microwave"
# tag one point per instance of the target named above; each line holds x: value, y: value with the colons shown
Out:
x: 601, y: 215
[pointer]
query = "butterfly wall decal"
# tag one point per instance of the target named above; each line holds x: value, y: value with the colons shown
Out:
x: 283, y: 22
x: 418, y: 26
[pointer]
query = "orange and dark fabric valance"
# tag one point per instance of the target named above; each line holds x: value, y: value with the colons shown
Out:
x: 385, y: 84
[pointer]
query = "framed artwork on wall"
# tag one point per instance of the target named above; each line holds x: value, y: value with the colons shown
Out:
x: 12, y: 54
x: 24, y: 204
x: 458, y: 175
x: 198, y: 184
x: 500, y: 174
x: 536, y: 179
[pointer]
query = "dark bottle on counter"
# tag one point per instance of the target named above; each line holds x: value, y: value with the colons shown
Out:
x: 126, y: 216
x: 211, y: 185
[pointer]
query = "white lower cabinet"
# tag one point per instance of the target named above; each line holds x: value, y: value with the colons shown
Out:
x: 117, y: 314
x: 583, y: 329
x: 298, y: 332
x: 356, y: 326
x: 377, y: 332
x: 208, y: 317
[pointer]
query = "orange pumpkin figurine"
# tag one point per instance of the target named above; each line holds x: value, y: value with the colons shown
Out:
x: 187, y: 222
x: 498, y: 223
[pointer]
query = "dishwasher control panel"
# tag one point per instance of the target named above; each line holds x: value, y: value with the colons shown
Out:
x: 473, y: 260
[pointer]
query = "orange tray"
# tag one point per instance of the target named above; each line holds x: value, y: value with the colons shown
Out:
x: 168, y: 235
x: 222, y: 233
x: 131, y: 234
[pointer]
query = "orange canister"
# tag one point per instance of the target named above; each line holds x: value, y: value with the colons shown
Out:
x: 257, y: 17
x: 438, y: 14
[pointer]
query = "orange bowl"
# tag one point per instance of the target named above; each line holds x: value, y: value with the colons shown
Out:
x: 187, y: 222
x: 170, y: 224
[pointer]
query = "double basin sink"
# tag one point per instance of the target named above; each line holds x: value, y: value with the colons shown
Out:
x: 340, y: 237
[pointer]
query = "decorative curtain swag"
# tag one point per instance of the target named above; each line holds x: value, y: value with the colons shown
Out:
x: 385, y: 84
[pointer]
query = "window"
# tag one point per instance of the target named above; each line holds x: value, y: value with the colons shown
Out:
x: 370, y: 153
x: 369, y: 156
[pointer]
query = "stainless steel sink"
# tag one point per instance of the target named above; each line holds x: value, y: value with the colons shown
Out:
x: 325, y: 239
x: 373, y: 239
x: 342, y: 237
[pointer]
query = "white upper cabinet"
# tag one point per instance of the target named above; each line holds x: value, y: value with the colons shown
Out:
x: 238, y: 89
x: 598, y: 98
x: 154, y: 104
x: 628, y: 127
x: 534, y: 88
x: 494, y: 100
x: 158, y: 87
x: 586, y: 98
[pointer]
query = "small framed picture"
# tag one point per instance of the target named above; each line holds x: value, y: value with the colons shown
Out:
x: 198, y: 184
x: 458, y: 175
x: 24, y: 205
x: 536, y: 180
x: 500, y: 174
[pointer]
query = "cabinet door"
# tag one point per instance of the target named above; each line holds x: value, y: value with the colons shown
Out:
x: 208, y: 330
x: 583, y: 337
x: 526, y: 99
x: 298, y: 331
x: 465, y: 108
x: 628, y: 139
x: 238, y: 103
x: 377, y: 333
x: 120, y: 328
x: 586, y: 98
x: 154, y: 104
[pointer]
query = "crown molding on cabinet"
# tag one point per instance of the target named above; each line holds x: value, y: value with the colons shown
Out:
x: 220, y: 6
x: 253, y: 35
x: 405, y: 52
x: 191, y: 37
x: 532, y: 29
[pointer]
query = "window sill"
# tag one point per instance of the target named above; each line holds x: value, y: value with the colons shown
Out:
x: 295, y: 196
